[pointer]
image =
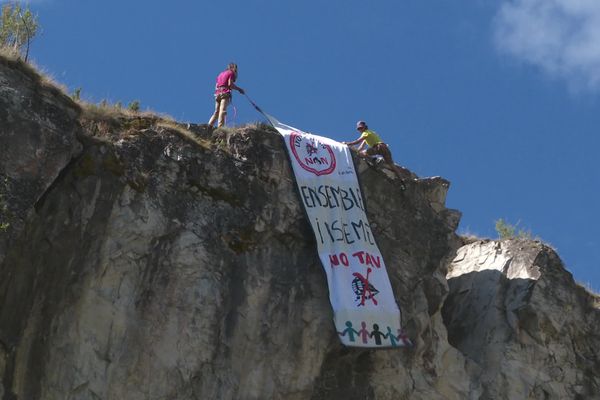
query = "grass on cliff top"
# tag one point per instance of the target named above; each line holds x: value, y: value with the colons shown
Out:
x: 13, y: 59
x: 101, y: 112
x: 111, y: 112
x: 184, y: 133
x: 587, y: 286
x: 110, y: 122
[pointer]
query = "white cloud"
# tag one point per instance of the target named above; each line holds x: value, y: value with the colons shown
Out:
x: 562, y: 37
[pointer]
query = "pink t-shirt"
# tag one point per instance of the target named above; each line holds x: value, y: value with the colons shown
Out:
x: 223, y: 81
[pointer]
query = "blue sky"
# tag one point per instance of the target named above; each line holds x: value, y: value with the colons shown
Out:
x: 500, y: 97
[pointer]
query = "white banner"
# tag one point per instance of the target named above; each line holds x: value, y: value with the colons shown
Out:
x: 365, y: 311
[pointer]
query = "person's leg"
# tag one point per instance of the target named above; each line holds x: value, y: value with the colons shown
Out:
x: 384, y: 151
x: 223, y: 111
x: 387, y: 157
x: 215, y: 115
x: 368, y: 153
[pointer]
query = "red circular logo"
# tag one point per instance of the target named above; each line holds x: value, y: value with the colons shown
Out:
x: 313, y: 156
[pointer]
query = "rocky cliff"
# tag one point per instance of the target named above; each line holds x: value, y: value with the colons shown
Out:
x: 148, y: 260
x: 514, y: 310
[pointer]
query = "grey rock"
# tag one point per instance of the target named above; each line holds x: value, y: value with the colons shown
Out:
x: 516, y: 312
x: 38, y: 138
x: 160, y: 264
x: 154, y: 274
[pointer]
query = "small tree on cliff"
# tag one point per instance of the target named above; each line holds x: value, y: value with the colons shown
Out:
x: 509, y: 231
x: 18, y: 26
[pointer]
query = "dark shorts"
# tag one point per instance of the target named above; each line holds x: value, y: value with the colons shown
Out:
x: 222, y: 96
x: 381, y: 149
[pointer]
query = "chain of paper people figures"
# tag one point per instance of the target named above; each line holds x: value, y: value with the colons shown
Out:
x: 366, y: 336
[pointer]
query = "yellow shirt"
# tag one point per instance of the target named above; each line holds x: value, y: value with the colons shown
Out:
x: 370, y: 137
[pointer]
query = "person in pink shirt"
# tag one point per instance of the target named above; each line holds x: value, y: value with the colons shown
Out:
x: 225, y: 84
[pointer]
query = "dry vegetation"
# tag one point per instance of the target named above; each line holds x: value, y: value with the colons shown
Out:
x: 186, y: 134
x: 108, y: 122
x: 587, y: 287
x: 103, y: 119
x: 13, y: 59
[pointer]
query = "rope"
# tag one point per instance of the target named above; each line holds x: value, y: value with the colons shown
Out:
x: 258, y: 109
x: 233, y: 117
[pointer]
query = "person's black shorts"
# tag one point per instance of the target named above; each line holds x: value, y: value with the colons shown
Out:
x: 381, y: 149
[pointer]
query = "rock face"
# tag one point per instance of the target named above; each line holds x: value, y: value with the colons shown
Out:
x: 38, y: 138
x: 515, y: 311
x: 171, y: 263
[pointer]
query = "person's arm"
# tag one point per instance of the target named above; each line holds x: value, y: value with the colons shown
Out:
x: 362, y: 146
x: 357, y: 141
x: 234, y: 86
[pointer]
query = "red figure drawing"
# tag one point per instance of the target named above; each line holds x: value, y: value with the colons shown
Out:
x: 363, y: 289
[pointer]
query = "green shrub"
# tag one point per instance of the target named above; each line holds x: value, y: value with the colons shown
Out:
x: 134, y: 106
x: 509, y: 231
x: 76, y: 95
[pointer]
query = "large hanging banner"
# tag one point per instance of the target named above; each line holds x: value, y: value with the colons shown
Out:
x: 365, y: 311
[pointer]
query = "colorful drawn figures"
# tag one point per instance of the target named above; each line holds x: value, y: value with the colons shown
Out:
x: 394, y: 340
x: 364, y: 333
x: 405, y: 340
x: 400, y: 340
x: 391, y: 337
x: 377, y: 334
x: 349, y: 330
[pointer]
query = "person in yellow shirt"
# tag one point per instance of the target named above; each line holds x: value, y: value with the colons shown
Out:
x: 375, y: 147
